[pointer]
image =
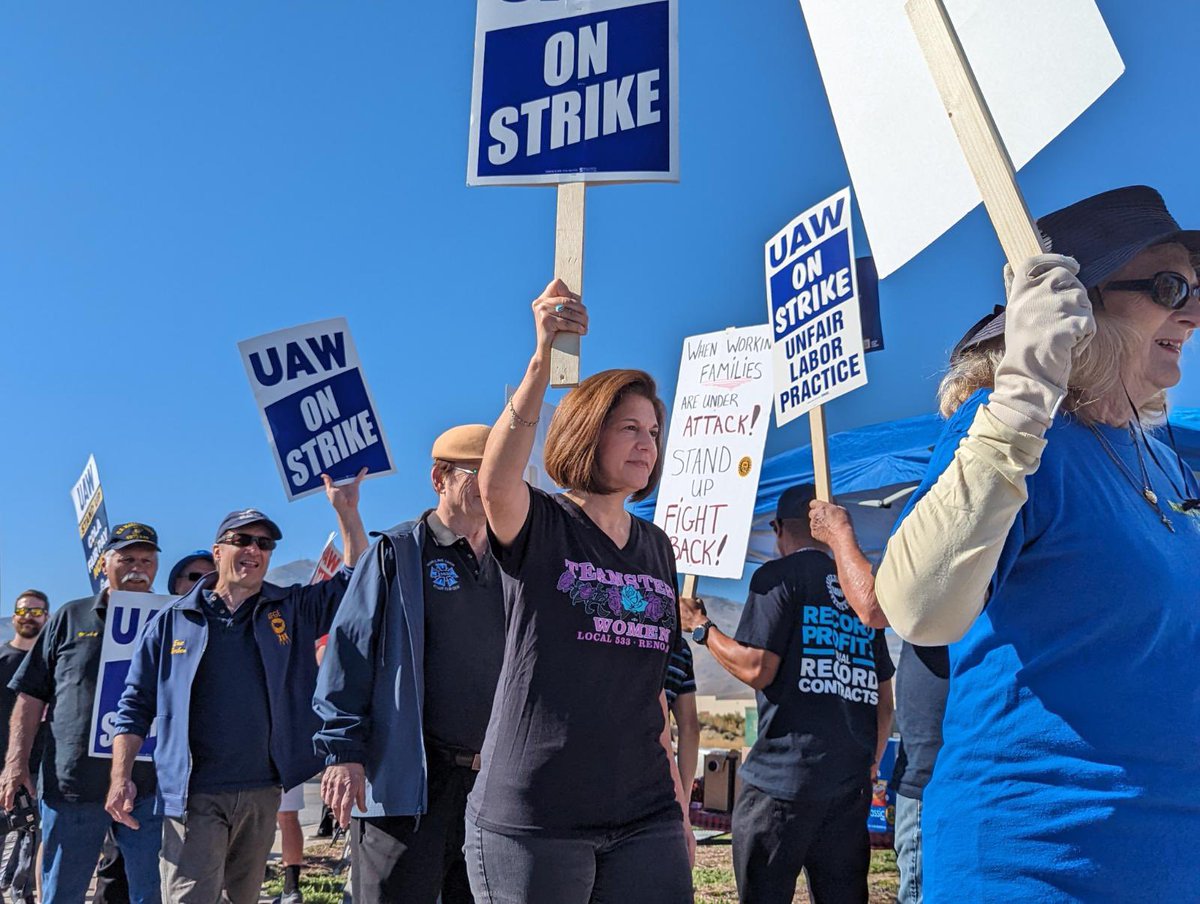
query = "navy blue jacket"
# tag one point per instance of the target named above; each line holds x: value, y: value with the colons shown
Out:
x: 287, y: 623
x: 371, y: 690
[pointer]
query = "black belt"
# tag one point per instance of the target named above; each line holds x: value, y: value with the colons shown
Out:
x: 455, y: 756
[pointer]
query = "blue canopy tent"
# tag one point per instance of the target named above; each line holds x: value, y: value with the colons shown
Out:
x: 874, y: 469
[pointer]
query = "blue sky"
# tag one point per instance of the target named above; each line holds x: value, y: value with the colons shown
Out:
x: 177, y: 177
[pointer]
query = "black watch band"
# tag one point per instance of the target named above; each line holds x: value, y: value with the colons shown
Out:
x: 700, y: 633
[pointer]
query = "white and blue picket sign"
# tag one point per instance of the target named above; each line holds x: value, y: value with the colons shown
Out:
x: 574, y: 91
x: 316, y: 407
x: 812, y: 306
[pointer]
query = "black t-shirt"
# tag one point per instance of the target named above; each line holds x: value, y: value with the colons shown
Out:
x: 464, y: 638
x: 10, y: 659
x: 817, y: 719
x: 61, y: 670
x: 229, y: 722
x: 573, y: 744
x: 922, y: 683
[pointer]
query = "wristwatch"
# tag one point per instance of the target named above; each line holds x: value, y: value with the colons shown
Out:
x: 700, y: 632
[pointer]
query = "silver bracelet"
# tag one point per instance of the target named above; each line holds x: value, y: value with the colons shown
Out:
x: 514, y: 418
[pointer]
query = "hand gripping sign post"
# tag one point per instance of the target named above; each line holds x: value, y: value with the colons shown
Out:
x: 567, y: 92
x: 128, y: 615
x: 1038, y: 63
x: 92, y: 519
x: 816, y: 329
x: 315, y: 405
x: 714, y: 451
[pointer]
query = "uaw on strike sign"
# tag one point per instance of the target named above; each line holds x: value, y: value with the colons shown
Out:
x: 812, y: 304
x: 318, y: 412
x: 574, y: 91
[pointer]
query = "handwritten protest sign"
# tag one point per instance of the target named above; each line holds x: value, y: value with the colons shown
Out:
x: 128, y: 615
x: 315, y: 405
x: 1039, y: 65
x: 812, y: 306
x: 92, y: 518
x: 574, y: 91
x: 715, y: 448
x: 329, y: 562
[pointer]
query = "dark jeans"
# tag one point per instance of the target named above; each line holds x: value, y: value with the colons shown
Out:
x: 72, y: 836
x: 401, y: 858
x: 773, y: 840
x: 642, y: 864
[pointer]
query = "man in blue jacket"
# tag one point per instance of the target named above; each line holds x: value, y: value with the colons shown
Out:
x: 228, y: 671
x: 406, y: 688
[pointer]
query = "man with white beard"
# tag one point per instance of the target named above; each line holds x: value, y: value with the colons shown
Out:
x: 59, y: 676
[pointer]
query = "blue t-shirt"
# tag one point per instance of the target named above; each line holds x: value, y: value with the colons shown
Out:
x: 1071, y: 764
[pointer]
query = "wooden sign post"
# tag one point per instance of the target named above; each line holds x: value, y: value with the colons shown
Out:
x: 820, y: 452
x: 568, y: 266
x: 981, y: 143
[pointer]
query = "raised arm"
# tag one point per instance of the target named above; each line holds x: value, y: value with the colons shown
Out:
x: 830, y: 524
x: 938, y: 566
x: 344, y: 500
x: 501, y: 476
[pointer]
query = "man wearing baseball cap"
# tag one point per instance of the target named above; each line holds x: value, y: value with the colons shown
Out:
x: 824, y: 715
x: 407, y: 684
x: 58, y: 680
x: 229, y: 671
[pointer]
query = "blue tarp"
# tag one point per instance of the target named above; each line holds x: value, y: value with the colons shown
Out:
x: 877, y: 460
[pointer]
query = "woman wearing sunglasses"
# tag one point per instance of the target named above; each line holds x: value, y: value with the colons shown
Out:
x: 578, y: 798
x: 1052, y: 544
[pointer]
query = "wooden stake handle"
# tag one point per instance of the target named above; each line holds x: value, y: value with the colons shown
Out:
x: 977, y: 133
x: 820, y: 450
x: 690, y: 583
x: 568, y: 266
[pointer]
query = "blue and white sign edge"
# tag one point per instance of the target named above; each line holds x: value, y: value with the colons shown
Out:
x: 517, y: 14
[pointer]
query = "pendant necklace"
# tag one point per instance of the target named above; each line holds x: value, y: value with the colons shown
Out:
x: 1145, y: 492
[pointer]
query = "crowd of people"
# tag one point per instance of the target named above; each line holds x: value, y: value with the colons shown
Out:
x: 492, y: 714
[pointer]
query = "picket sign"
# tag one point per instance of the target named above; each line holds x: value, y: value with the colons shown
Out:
x: 570, y: 92
x: 984, y: 149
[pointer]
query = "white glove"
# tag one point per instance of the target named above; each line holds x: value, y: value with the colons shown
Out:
x: 1047, y: 323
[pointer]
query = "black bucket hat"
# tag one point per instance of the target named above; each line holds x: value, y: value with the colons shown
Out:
x: 1103, y: 233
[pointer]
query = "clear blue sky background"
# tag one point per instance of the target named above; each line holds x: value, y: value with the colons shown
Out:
x: 176, y: 177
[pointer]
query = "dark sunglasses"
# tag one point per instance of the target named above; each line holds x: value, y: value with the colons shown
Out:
x: 22, y: 612
x: 266, y: 544
x: 1169, y: 289
x: 195, y: 575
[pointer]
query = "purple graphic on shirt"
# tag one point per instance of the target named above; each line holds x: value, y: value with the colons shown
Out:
x: 626, y: 609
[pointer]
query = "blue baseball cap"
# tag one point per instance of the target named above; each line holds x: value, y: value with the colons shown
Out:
x: 242, y: 517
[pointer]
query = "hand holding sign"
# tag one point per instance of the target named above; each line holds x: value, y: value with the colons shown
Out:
x: 343, y: 496
x: 557, y: 310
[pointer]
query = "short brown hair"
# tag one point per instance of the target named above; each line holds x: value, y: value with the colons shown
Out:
x: 574, y: 433
x: 36, y: 594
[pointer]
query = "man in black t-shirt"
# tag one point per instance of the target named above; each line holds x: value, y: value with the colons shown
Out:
x: 58, y: 680
x: 29, y: 617
x: 824, y: 715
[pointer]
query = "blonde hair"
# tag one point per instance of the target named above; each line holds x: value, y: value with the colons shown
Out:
x: 1095, y: 374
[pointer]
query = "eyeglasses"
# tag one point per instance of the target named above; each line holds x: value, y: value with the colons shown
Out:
x: 266, y: 544
x: 22, y: 612
x: 195, y: 575
x: 1169, y: 289
x: 472, y: 472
